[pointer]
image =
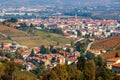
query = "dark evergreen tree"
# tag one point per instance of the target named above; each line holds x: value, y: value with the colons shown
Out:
x: 81, y: 63
x: 116, y: 55
x: 32, y: 53
x: 51, y: 48
x: 14, y: 20
x: 43, y: 49
x: 67, y: 50
x: 42, y: 26
x: 2, y: 45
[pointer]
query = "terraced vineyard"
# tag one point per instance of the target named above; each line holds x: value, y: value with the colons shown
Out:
x: 3, y: 39
x: 111, y: 54
x: 11, y: 32
x: 108, y: 43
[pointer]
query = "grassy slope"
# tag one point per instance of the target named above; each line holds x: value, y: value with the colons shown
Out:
x: 40, y: 38
x: 24, y: 75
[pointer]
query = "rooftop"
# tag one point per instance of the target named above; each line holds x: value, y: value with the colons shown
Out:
x: 116, y: 65
x: 113, y: 59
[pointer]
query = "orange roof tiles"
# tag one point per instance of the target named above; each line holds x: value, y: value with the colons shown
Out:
x: 19, y: 61
x: 116, y: 65
x: 113, y: 59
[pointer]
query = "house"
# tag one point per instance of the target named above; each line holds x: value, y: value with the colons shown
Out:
x: 36, y: 50
x: 46, y: 62
x: 77, y: 54
x: 112, y: 61
x: 29, y: 66
x: 26, y: 54
x: 95, y: 51
x: 116, y: 68
x: 70, y: 60
x: 61, y: 60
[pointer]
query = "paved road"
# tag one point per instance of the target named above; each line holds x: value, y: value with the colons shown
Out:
x: 88, y: 48
x: 3, y: 35
x: 79, y: 40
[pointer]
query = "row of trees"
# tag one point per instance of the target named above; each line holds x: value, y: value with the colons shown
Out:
x: 12, y: 71
x: 84, y: 70
x: 45, y: 50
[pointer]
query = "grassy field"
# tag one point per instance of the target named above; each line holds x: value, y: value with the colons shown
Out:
x: 39, y: 38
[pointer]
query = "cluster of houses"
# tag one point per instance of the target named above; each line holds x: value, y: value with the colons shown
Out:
x: 38, y: 59
x: 86, y: 26
x: 114, y: 64
x: 52, y: 59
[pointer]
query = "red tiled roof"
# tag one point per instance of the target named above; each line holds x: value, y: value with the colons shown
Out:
x: 19, y: 61
x: 36, y: 49
x: 113, y: 59
x: 116, y: 65
x: 71, y: 59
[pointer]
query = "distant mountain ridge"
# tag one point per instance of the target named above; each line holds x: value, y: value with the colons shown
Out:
x: 17, y: 3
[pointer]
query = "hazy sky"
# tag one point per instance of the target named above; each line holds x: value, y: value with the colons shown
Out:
x: 55, y: 2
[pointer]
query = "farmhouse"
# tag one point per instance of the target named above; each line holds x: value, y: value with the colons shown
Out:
x: 112, y: 61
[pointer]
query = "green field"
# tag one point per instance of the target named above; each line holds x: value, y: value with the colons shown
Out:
x: 39, y: 38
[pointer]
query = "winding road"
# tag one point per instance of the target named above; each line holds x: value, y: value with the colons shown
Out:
x: 88, y: 47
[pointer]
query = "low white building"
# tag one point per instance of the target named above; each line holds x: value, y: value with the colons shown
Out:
x: 116, y: 68
x: 112, y: 61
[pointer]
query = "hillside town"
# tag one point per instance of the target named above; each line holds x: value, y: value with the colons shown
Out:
x: 31, y: 57
x: 35, y: 56
x: 72, y: 27
x: 75, y: 26
x: 59, y: 40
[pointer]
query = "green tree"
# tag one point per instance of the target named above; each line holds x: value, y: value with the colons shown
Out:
x: 32, y: 53
x: 31, y: 25
x: 67, y: 50
x: 53, y: 76
x: 2, y: 45
x: 103, y: 73
x: 90, y: 56
x: 42, y: 26
x: 116, y: 55
x: 9, y: 69
x: 51, y: 48
x: 14, y: 20
x: 78, y: 33
x: 17, y: 54
x: 47, y: 50
x: 42, y: 49
x: 81, y: 63
x: 74, y: 73
x: 72, y: 44
x: 90, y: 70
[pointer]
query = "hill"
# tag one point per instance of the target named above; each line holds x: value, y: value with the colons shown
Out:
x: 107, y: 44
x: 11, y: 32
x: 39, y: 38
